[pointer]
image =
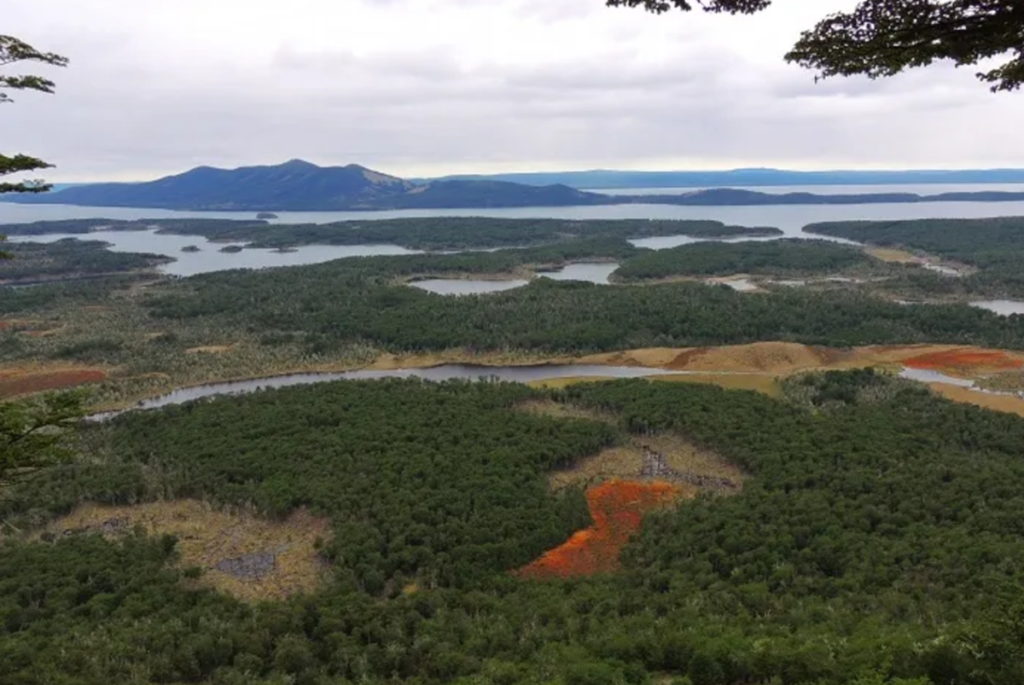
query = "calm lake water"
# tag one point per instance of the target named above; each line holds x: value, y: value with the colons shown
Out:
x: 789, y: 218
x: 210, y: 258
x: 589, y: 272
x: 465, y: 286
x: 1003, y: 307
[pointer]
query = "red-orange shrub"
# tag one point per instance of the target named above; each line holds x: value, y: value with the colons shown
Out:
x: 617, y: 508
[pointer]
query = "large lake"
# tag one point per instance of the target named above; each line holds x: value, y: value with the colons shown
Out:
x: 789, y: 218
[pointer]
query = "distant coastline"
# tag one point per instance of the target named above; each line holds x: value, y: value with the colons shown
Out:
x: 301, y: 186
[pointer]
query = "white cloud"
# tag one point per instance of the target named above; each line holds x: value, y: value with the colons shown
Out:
x: 437, y: 86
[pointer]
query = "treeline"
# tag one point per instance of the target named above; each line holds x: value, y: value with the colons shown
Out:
x: 327, y: 306
x: 878, y: 540
x: 68, y: 260
x: 792, y: 257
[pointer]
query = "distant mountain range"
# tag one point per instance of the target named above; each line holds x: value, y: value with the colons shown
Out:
x: 300, y: 186
x: 604, y: 179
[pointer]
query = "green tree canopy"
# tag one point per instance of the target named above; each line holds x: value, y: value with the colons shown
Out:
x: 13, y: 50
x: 885, y: 37
x: 34, y: 432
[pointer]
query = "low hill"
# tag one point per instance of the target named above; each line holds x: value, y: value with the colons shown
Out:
x: 301, y: 186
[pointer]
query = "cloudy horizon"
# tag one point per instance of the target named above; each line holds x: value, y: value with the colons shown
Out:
x: 434, y: 87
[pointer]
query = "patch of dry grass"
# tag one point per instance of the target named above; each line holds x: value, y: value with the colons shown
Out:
x: 207, y: 536
x: 565, y: 411
x: 626, y: 461
x: 893, y: 256
x: 210, y: 349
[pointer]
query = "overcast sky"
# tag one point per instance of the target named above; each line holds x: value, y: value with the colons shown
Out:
x: 427, y: 87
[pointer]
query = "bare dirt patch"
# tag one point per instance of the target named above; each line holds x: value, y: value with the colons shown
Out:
x: 768, y: 357
x: 239, y: 553
x: 1004, y: 403
x: 25, y: 381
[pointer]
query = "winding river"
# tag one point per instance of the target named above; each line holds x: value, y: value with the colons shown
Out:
x: 471, y: 372
x: 444, y: 372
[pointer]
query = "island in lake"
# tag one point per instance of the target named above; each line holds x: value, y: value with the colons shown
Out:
x: 231, y: 249
x: 191, y: 248
x: 266, y: 215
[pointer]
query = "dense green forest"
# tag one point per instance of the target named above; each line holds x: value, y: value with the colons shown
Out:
x: 334, y: 304
x: 69, y: 259
x: 791, y: 257
x: 994, y: 247
x: 878, y: 540
x: 429, y: 233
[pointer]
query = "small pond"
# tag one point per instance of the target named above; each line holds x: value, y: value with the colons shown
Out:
x: 591, y: 272
x: 465, y: 286
x: 1003, y: 307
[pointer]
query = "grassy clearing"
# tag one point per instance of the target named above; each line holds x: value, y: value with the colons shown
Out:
x: 892, y: 256
x: 626, y: 461
x: 207, y: 537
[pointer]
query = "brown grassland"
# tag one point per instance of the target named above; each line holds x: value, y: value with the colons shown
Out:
x: 208, y: 536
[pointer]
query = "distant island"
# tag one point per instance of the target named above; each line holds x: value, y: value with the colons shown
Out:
x: 301, y: 186
x: 266, y: 215
x: 606, y: 179
x: 190, y: 248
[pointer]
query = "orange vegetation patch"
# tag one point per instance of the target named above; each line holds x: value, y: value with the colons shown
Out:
x: 964, y: 359
x: 617, y: 507
x: 23, y: 383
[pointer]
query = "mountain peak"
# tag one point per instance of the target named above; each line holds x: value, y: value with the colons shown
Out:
x: 300, y: 163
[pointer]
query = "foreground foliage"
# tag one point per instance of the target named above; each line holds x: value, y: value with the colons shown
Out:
x: 885, y: 37
x: 878, y: 540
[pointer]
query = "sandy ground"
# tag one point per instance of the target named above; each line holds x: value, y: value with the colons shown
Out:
x: 1004, y: 403
x: 783, y: 358
x: 207, y: 536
